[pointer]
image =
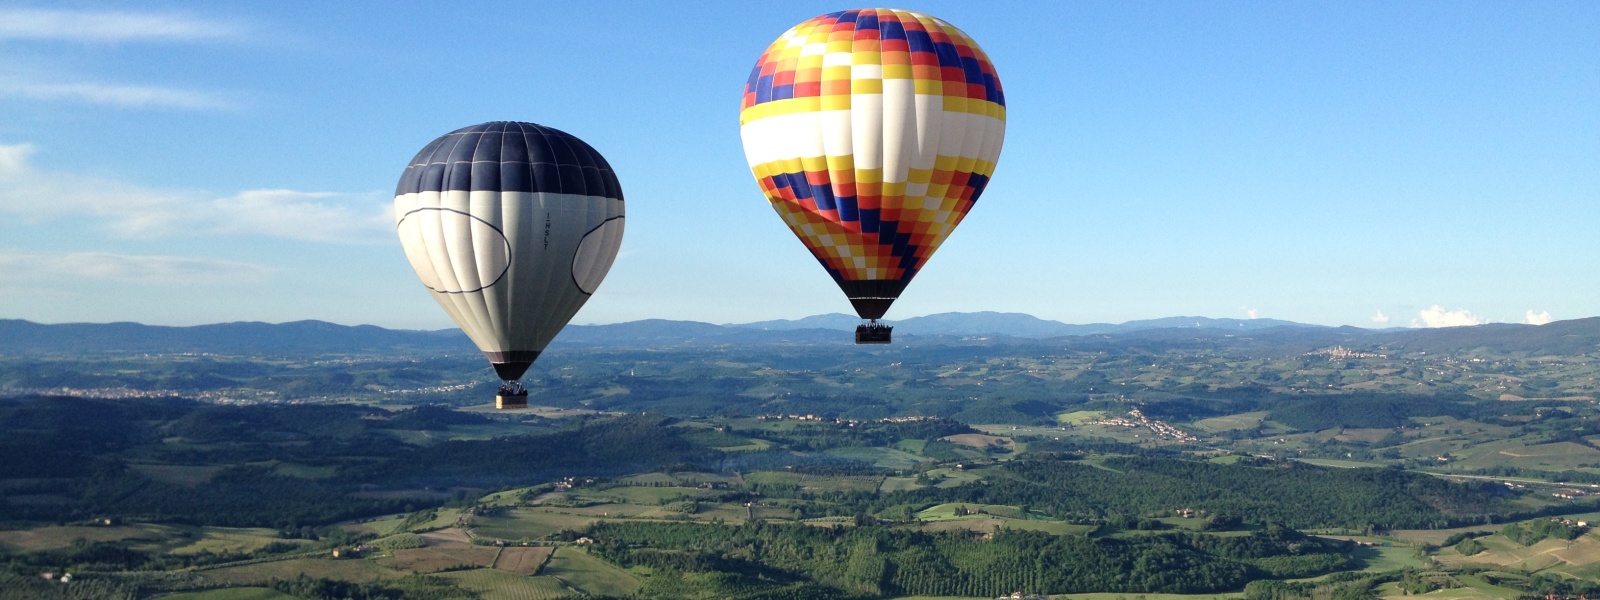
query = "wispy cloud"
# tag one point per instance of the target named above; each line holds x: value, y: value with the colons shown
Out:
x: 20, y: 268
x: 128, y: 210
x: 1538, y: 318
x: 42, y: 26
x: 1437, y: 316
x: 121, y: 96
x: 1379, y: 317
x: 110, y: 26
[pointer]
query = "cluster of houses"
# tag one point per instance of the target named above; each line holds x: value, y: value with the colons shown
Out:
x: 1569, y: 522
x: 1137, y: 419
x: 567, y: 483
x: 1341, y: 352
x: 357, y: 551
x: 437, y: 389
x: 851, y: 422
x: 1570, y: 493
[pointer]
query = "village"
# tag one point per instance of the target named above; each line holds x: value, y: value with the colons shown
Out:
x: 1138, y: 419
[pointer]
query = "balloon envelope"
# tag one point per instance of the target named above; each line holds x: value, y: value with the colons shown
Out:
x: 511, y: 226
x: 872, y: 132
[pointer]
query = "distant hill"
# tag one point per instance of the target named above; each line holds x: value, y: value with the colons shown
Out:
x: 298, y: 337
x: 316, y: 337
x: 1575, y: 336
x: 661, y: 332
x: 833, y: 321
x: 1014, y: 325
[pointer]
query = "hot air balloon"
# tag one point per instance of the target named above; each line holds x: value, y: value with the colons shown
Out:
x: 872, y: 132
x: 511, y: 227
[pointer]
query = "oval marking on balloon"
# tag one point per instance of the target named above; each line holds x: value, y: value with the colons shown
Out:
x: 590, y: 251
x: 499, y: 255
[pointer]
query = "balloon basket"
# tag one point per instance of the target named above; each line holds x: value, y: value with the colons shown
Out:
x: 873, y: 333
x: 504, y: 401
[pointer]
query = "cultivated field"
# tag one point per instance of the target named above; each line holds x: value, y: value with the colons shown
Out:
x: 189, y: 475
x: 327, y: 568
x: 241, y: 593
x: 888, y: 458
x: 446, y: 549
x: 816, y: 482
x: 492, y: 584
x: 230, y: 539
x: 978, y: 440
x: 1231, y: 422
x: 52, y: 537
x: 434, y: 559
x: 530, y: 523
x: 1556, y: 554
x: 591, y: 575
x: 1079, y: 416
x: 522, y: 560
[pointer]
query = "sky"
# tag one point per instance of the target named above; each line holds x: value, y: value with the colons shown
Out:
x: 1377, y: 164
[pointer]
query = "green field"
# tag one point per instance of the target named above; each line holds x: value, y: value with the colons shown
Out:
x: 1484, y: 589
x: 1095, y: 596
x: 240, y: 593
x: 491, y: 584
x: 187, y: 475
x: 1231, y: 422
x: 1390, y: 558
x: 1339, y: 464
x: 816, y: 482
x: 589, y: 574
x: 1079, y: 416
x: 1550, y: 457
x: 528, y: 523
x: 305, y: 471
x: 898, y: 484
x: 887, y: 458
x: 912, y: 446
x: 229, y: 539
x: 948, y: 511
x: 955, y: 477
x: 54, y: 537
x: 327, y: 568
x: 637, y: 494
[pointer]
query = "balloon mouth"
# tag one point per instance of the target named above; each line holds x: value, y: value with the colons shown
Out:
x: 871, y: 308
x: 871, y: 298
x: 510, y: 366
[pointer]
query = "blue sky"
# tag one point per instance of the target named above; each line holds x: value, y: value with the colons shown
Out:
x: 1342, y: 163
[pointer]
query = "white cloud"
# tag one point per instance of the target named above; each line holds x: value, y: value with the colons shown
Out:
x: 1250, y: 313
x: 110, y: 26
x: 1379, y: 317
x: 14, y: 158
x: 1437, y: 316
x: 51, y: 269
x: 107, y: 94
x: 1537, y: 318
x: 27, y: 79
x: 128, y: 210
x: 311, y: 216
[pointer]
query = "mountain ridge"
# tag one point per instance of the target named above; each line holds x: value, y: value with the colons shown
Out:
x: 319, y: 337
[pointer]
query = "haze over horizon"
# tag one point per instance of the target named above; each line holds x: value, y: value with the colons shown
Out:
x: 1336, y: 164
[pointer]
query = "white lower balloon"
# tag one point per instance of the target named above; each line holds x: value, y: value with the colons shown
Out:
x: 511, y: 268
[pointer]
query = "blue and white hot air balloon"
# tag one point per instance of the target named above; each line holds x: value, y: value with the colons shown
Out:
x: 511, y: 227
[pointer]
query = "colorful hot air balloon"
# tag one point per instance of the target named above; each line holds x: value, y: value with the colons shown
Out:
x: 511, y: 226
x: 873, y: 132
